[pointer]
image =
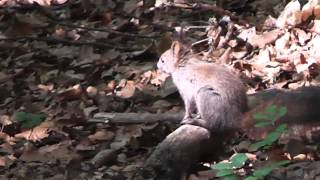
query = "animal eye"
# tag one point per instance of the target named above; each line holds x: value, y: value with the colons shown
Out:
x: 162, y: 60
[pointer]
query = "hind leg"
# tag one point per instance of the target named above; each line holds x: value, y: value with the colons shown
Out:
x: 219, y: 113
x: 207, y: 103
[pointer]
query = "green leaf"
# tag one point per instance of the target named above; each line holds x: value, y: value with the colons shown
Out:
x: 260, y: 173
x: 272, y: 110
x: 272, y: 137
x: 230, y: 177
x: 266, y: 147
x: 29, y: 120
x: 281, y: 128
x: 260, y: 117
x: 222, y: 166
x: 251, y: 178
x: 282, y: 111
x: 238, y: 160
x: 263, y: 124
x: 22, y: 116
x: 281, y: 163
x: 224, y: 172
x: 258, y: 145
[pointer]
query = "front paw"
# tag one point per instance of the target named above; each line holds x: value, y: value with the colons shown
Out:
x: 198, y: 116
x: 187, y: 120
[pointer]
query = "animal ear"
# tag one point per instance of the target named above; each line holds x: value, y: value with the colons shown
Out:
x: 176, y: 48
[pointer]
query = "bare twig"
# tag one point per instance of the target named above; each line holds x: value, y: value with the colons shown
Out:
x: 104, y: 30
x: 134, y: 118
x: 208, y: 7
x: 67, y: 42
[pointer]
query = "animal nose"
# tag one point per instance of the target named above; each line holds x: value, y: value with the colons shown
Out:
x: 155, y: 66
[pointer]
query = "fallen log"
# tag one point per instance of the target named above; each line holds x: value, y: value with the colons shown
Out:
x: 293, y: 100
x: 182, y: 148
x: 173, y: 157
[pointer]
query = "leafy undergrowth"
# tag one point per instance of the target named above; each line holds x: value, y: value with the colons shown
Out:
x: 65, y: 61
x: 239, y: 162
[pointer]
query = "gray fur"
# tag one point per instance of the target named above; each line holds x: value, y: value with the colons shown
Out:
x: 213, y: 91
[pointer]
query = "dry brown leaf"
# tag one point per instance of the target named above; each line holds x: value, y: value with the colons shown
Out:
x: 34, y: 134
x: 309, y: 9
x: 270, y: 22
x: 19, y: 29
x: 101, y: 135
x: 111, y: 85
x: 86, y: 56
x: 298, y: 58
x: 7, y: 147
x: 124, y: 136
x: 159, y: 78
x: 46, y: 88
x: 88, y: 111
x: 290, y: 16
x: 128, y: 89
x: 282, y: 44
x: 42, y: 2
x: 316, y: 26
x: 5, y: 137
x: 3, y: 161
x: 301, y: 67
x: 264, y: 39
x: 131, y: 168
x: 111, y: 54
x: 107, y: 17
x: 5, y: 120
x: 129, y: 131
x: 316, y: 11
x: 130, y: 6
x: 251, y: 157
x: 118, y: 145
x: 263, y: 57
x: 62, y: 151
x: 247, y: 33
x: 301, y: 35
x: 105, y: 157
x: 92, y: 91
x: 300, y: 157
x: 159, y: 3
x: 225, y: 57
x: 72, y: 93
x: 272, y: 73
x: 161, y: 105
x: 315, y: 46
x: 4, y: 77
x: 72, y: 75
x: 65, y: 51
x: 146, y: 77
x: 85, y: 145
x: 59, y: 33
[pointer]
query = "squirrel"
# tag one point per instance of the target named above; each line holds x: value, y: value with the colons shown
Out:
x: 215, y: 93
